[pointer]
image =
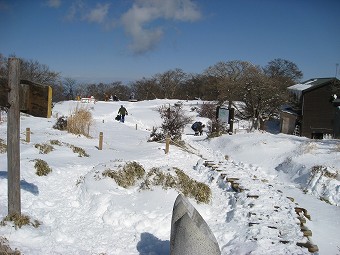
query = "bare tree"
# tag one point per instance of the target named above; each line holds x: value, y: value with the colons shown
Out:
x: 34, y: 71
x: 70, y: 86
x: 146, y: 89
x: 227, y: 77
x: 192, y: 87
x: 285, y: 71
x: 170, y: 81
x: 261, y: 99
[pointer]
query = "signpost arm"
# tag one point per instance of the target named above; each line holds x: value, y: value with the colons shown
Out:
x: 13, y: 138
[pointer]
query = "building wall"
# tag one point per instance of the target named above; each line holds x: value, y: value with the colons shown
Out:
x: 318, y: 112
x: 337, y: 123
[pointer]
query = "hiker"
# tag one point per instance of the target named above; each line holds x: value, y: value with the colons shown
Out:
x: 122, y: 112
x: 198, y: 128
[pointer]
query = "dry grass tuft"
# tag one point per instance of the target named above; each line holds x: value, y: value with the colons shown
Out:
x: 80, y: 121
x: 44, y: 148
x: 324, y: 171
x: 55, y: 142
x: 337, y: 147
x: 20, y: 220
x: 191, y: 188
x: 3, y: 146
x: 81, y: 152
x: 42, y: 167
x: 128, y: 175
x: 5, y: 249
x: 180, y: 181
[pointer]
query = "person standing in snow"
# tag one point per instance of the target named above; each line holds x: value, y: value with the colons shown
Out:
x: 122, y: 112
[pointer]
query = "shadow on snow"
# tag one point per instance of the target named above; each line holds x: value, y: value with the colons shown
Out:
x: 30, y: 187
x: 149, y: 244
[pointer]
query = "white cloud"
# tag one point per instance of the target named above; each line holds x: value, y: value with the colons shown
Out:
x: 53, y: 3
x: 76, y: 8
x: 144, y: 12
x: 98, y: 14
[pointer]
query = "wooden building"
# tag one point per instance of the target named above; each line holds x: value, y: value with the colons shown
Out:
x: 316, y: 112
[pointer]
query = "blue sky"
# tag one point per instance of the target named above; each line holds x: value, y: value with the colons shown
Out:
x: 126, y: 40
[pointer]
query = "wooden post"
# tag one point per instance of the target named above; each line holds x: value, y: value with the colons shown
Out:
x: 231, y: 117
x: 49, y: 102
x: 167, y: 144
x: 13, y: 138
x: 136, y: 126
x: 28, y: 135
x: 100, y: 147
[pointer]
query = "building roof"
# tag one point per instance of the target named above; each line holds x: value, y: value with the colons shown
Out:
x: 300, y: 88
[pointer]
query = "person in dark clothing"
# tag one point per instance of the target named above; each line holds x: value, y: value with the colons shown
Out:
x: 198, y: 127
x: 122, y: 112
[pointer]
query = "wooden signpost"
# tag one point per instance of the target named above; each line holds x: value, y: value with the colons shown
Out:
x: 29, y: 97
x: 13, y: 135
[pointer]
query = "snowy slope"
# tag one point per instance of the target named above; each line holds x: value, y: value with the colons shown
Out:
x: 84, y: 213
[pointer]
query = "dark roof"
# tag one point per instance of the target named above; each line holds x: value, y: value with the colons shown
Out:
x: 310, y: 84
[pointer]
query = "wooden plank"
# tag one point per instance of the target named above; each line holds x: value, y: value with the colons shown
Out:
x: 34, y: 99
x: 13, y: 136
x: 39, y: 102
x: 3, y: 91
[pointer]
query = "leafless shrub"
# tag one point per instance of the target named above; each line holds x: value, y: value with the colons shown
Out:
x: 61, y: 123
x: 208, y: 110
x: 174, y: 121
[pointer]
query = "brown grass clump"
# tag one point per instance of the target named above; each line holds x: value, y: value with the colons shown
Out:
x: 20, y: 220
x: 5, y: 249
x: 80, y: 121
x: 128, y: 175
x: 44, y: 148
x: 337, y: 147
x: 180, y: 181
x: 3, y: 146
x: 191, y: 188
x: 81, y: 152
x: 324, y: 171
x: 42, y: 167
x: 55, y: 142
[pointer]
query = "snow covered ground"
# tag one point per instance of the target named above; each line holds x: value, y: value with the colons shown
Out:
x: 82, y: 212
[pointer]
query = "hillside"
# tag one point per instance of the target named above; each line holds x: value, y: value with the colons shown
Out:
x: 82, y: 211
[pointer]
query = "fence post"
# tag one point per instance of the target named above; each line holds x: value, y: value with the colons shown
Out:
x: 28, y: 135
x: 136, y: 126
x: 13, y: 138
x: 100, y: 147
x: 167, y: 144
